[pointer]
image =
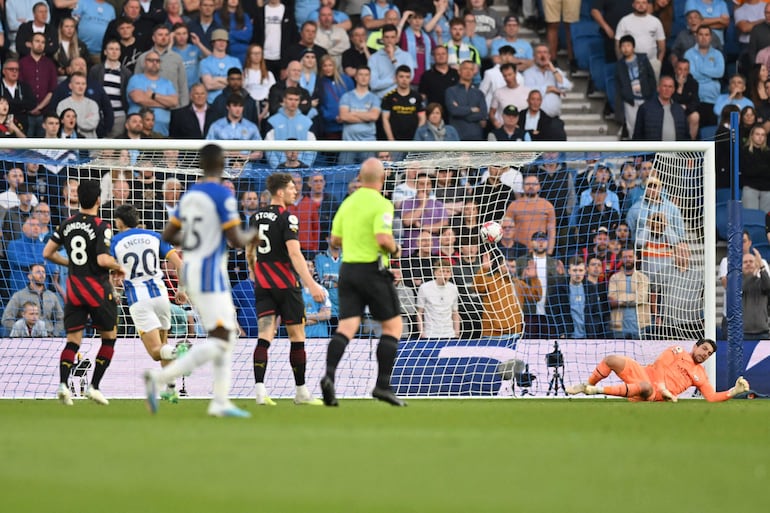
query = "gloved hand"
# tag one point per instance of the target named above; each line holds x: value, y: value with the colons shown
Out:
x: 741, y: 386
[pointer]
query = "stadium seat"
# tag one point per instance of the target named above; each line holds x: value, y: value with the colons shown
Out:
x: 583, y: 32
x: 708, y: 133
x: 723, y: 196
x: 754, y: 222
x: 597, y: 63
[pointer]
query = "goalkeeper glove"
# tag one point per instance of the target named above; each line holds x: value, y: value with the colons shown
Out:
x: 741, y: 386
x: 668, y: 396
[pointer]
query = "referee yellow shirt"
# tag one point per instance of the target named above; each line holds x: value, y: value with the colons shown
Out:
x: 363, y: 215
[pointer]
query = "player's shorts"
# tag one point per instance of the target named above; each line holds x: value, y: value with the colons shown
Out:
x: 362, y: 285
x: 287, y: 303
x: 567, y: 11
x: 633, y: 374
x: 104, y: 316
x: 215, y: 309
x: 151, y: 314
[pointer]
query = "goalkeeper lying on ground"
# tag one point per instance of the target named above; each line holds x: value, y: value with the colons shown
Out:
x: 673, y: 372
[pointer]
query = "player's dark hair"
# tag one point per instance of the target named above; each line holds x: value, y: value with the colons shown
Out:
x: 88, y: 193
x: 707, y: 341
x: 212, y: 160
x: 278, y: 181
x: 128, y: 215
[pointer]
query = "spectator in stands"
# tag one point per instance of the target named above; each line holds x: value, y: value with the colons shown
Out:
x: 234, y: 19
x: 290, y: 123
x: 174, y: 13
x: 151, y: 90
x: 746, y: 16
x: 87, y: 110
x: 655, y: 200
x: 249, y: 207
x: 607, y: 14
x: 438, y: 313
x: 293, y: 77
x: 422, y: 213
x: 130, y: 49
x: 121, y: 192
x: 599, y: 214
x: 115, y: 78
x: 373, y: 14
x: 331, y: 36
x: 629, y: 188
x: 556, y: 13
x: 462, y: 276
x: 466, y: 223
x: 30, y: 324
x: 686, y: 95
x: 609, y: 261
x: 402, y: 110
x: 309, y: 220
x: 94, y: 91
x: 687, y: 37
x: 9, y: 125
x: 493, y: 196
x: 214, y: 68
x: 757, y: 90
x: 714, y: 15
x: 308, y: 77
x: 190, y: 49
x: 459, y: 50
x: 707, y: 66
x: 466, y: 105
x: 317, y: 314
x: 327, y: 265
x: 536, y: 124
x: 358, y: 54
x: 68, y: 121
x: 416, y: 267
x: 332, y: 85
x: 648, y: 33
x: 204, y: 25
x: 755, y: 174
x: 548, y: 79
x: 661, y: 119
x: 48, y: 304
x: 384, y: 62
x: 493, y: 77
x: 734, y: 96
x: 22, y: 252
x: 447, y: 245
x: 20, y: 95
x: 502, y: 295
x: 628, y: 296
x: 234, y: 127
x: 511, y: 94
x: 478, y: 41
x: 598, y: 308
x: 438, y: 78
x: 235, y: 86
x: 340, y: 18
x: 359, y: 109
x: 307, y: 36
x: 543, y: 317
x: 171, y: 64
x: 521, y: 49
x: 489, y: 23
x: 143, y: 23
x: 258, y: 79
x: 42, y: 212
x: 754, y: 298
x: 39, y: 24
x: 415, y: 40
x: 192, y: 121
x: 533, y: 214
x: 16, y: 216
x: 558, y: 187
x: 635, y: 79
x: 602, y: 174
x: 510, y: 129
x: 434, y: 129
x: 508, y: 246
x: 94, y: 18
x: 326, y: 204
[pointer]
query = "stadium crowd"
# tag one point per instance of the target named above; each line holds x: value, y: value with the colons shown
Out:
x: 413, y: 70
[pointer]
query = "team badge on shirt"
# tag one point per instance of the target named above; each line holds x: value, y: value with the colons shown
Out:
x: 293, y: 223
x: 387, y: 219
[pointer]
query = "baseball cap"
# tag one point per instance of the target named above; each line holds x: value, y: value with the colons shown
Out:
x: 604, y: 164
x: 511, y: 110
x: 510, y: 17
x: 540, y: 235
x: 602, y: 229
x: 220, y: 35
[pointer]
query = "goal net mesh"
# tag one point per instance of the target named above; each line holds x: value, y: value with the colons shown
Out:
x: 599, y: 254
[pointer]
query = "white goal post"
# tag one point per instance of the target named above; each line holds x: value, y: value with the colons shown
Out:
x: 24, y: 379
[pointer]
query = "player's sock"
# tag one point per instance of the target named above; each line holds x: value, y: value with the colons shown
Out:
x: 67, y: 360
x: 103, y: 359
x: 298, y: 361
x: 197, y: 356
x: 334, y: 352
x: 222, y: 374
x: 260, y: 360
x: 386, y: 357
x: 167, y: 352
x: 622, y: 390
x: 600, y: 372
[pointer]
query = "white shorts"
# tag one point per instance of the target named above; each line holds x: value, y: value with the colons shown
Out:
x: 215, y: 309
x: 151, y: 314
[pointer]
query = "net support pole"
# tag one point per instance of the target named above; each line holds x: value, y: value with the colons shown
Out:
x: 734, y: 260
x: 710, y: 241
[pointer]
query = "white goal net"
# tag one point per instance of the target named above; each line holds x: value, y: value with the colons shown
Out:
x: 602, y: 249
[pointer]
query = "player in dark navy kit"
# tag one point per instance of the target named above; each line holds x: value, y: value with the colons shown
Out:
x: 278, y: 266
x: 86, y: 239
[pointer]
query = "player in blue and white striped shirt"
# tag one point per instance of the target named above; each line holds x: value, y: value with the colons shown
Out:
x: 139, y: 252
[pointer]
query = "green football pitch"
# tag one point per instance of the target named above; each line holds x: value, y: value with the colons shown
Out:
x: 443, y: 456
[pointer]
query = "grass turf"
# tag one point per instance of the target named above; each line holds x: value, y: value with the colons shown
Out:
x: 447, y: 456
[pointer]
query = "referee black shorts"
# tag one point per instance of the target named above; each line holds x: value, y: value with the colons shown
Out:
x: 286, y: 303
x: 363, y: 285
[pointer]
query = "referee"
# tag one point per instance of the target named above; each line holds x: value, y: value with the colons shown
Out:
x: 363, y: 227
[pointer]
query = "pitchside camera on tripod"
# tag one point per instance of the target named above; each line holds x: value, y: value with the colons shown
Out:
x: 555, y: 360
